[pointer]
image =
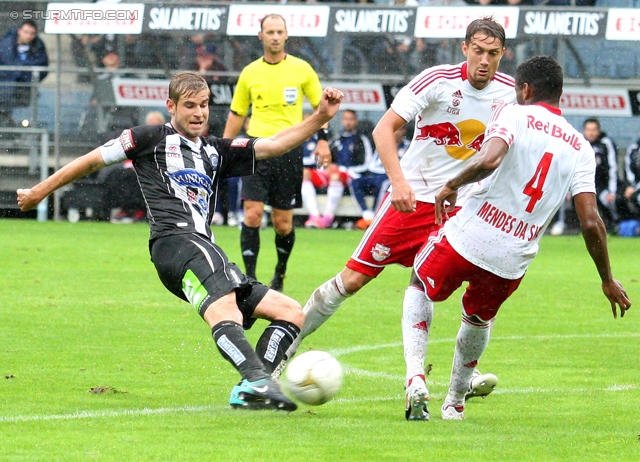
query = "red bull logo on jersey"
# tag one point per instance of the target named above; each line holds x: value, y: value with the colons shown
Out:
x: 476, y: 144
x: 461, y: 140
x: 380, y: 252
x: 571, y: 139
x: 443, y: 134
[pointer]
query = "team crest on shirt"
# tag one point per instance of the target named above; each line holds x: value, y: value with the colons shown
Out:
x: 290, y: 95
x: 214, y: 161
x: 380, y: 252
x: 173, y: 150
x: 213, y: 155
x: 453, y: 108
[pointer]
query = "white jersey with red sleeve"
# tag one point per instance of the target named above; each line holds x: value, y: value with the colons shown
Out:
x: 501, y: 224
x: 450, y: 120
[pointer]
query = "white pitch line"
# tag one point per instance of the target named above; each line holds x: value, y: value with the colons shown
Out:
x: 99, y: 414
x: 359, y: 348
x: 441, y: 396
x: 193, y: 409
x: 349, y: 370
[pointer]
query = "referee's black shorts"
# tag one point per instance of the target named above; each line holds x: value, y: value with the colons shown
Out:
x: 277, y: 181
x: 198, y: 271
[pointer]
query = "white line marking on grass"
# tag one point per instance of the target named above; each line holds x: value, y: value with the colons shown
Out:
x: 359, y: 348
x: 193, y: 409
x: 349, y: 370
x: 620, y: 387
x: 99, y: 414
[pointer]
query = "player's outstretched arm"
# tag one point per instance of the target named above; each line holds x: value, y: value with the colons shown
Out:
x: 289, y: 138
x: 402, y: 195
x: 29, y: 199
x: 595, y: 237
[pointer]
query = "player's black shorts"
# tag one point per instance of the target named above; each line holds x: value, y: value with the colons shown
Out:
x: 277, y: 181
x: 198, y: 271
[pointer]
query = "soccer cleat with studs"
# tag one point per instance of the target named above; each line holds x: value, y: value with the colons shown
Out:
x: 417, y: 397
x: 452, y: 412
x: 481, y: 385
x: 258, y: 395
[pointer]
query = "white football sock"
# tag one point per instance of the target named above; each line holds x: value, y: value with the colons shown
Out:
x: 470, y: 344
x: 417, y: 313
x: 324, y: 301
x: 310, y: 198
x: 334, y: 196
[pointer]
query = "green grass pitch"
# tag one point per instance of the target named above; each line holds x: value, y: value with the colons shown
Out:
x: 81, y: 308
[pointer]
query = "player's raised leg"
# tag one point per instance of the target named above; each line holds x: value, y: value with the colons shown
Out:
x: 326, y: 300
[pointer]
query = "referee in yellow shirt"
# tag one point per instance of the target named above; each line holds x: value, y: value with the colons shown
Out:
x: 273, y: 87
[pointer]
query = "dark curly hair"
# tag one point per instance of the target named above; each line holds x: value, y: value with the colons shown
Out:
x: 544, y: 75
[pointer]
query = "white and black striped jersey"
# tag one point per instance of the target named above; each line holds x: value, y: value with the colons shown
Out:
x: 178, y: 177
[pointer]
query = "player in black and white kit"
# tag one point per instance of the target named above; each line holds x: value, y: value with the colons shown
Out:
x: 179, y: 171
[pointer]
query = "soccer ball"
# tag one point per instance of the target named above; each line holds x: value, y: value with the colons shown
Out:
x: 314, y: 377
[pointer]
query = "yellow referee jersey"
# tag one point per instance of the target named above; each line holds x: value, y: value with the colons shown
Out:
x: 275, y: 94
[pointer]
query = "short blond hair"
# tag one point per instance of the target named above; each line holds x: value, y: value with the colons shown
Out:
x: 186, y: 84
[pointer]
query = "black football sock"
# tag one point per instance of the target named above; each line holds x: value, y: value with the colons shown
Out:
x: 274, y: 342
x: 284, y: 245
x: 250, y: 246
x: 235, y: 348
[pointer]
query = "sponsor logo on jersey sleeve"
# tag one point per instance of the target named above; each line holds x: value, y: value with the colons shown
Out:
x: 126, y: 140
x: 240, y: 142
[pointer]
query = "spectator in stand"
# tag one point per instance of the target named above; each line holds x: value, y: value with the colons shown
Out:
x: 103, y: 122
x: 200, y: 53
x: 629, y: 199
x: 606, y: 176
x: 313, y: 177
x: 374, y: 181
x: 350, y: 152
x: 21, y: 46
x: 606, y: 172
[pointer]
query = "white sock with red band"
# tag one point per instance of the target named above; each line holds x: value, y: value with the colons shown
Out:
x: 472, y: 340
x: 417, y: 313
